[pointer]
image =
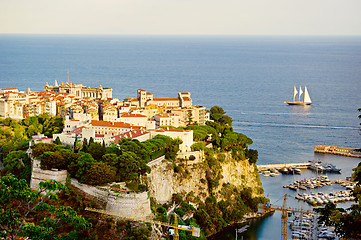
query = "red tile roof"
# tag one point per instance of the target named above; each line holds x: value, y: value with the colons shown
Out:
x: 130, y: 134
x: 165, y: 99
x: 78, y: 130
x: 110, y: 124
x: 131, y: 115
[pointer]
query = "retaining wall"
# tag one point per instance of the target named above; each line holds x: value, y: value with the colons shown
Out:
x: 38, y: 175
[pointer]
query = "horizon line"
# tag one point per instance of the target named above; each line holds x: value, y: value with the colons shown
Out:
x: 186, y: 35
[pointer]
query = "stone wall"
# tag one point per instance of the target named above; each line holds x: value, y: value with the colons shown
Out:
x: 132, y: 205
x: 199, y: 155
x: 38, y: 175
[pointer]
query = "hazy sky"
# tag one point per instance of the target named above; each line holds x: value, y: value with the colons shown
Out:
x: 235, y: 17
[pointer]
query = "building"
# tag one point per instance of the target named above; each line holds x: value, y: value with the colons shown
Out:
x: 167, y: 119
x: 138, y: 134
x: 134, y: 119
x: 79, y: 90
x: 185, y: 135
x: 191, y: 115
x: 109, y: 112
x: 145, y: 99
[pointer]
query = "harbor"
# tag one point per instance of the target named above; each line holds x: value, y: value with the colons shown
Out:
x: 343, y: 151
x: 279, y: 166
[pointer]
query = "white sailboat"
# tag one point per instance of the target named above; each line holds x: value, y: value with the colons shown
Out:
x: 306, y: 97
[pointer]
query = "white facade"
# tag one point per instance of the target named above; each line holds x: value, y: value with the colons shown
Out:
x: 185, y: 135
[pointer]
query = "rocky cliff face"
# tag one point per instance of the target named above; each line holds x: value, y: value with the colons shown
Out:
x: 190, y: 178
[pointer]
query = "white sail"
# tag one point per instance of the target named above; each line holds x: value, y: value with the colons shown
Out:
x: 307, y: 98
x: 294, y: 92
x: 300, y: 93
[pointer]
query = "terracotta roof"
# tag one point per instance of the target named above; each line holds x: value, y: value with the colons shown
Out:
x: 130, y: 99
x: 139, y: 89
x: 8, y: 88
x: 110, y: 124
x: 78, y: 130
x: 130, y: 134
x: 165, y: 99
x: 131, y: 115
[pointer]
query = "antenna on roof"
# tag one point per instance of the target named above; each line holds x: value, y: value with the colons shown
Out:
x: 68, y: 77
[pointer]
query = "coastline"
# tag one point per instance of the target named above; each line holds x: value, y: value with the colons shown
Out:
x: 248, y: 219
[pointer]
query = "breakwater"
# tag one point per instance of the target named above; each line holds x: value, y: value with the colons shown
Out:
x: 344, y: 151
x: 284, y: 165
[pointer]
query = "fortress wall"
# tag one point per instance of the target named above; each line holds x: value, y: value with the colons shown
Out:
x: 131, y: 205
x: 134, y: 205
x: 38, y: 175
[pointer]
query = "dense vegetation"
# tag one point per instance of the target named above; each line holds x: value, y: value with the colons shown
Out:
x: 220, y: 133
x: 96, y: 164
x: 229, y: 204
x: 35, y: 214
x: 15, y: 135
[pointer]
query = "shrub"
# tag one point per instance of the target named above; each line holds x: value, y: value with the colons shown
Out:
x: 99, y: 173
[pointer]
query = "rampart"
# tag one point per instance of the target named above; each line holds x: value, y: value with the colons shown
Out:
x: 38, y: 175
x: 132, y: 205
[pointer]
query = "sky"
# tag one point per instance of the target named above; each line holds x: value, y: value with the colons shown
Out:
x: 181, y: 17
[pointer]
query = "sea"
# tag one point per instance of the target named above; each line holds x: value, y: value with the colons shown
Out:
x: 250, y: 77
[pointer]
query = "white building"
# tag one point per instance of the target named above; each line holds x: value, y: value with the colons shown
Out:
x: 185, y: 135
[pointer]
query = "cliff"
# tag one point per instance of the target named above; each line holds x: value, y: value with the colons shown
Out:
x: 191, y: 178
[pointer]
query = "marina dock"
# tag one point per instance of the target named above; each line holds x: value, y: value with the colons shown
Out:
x: 344, y: 151
x: 303, y: 165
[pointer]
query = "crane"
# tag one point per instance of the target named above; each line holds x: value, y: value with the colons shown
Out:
x: 196, y: 232
x: 267, y: 207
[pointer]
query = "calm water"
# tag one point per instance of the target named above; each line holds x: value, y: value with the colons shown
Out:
x: 250, y: 77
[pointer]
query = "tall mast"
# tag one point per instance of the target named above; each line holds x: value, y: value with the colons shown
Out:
x: 294, y: 93
x: 300, y: 93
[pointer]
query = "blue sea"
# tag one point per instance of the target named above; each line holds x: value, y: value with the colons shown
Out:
x: 249, y: 76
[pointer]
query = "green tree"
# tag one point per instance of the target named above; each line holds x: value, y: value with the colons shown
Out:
x: 18, y: 163
x: 100, y: 173
x: 80, y: 166
x: 57, y: 141
x: 51, y: 125
x: 252, y: 155
x: 216, y: 113
x: 130, y: 166
x: 85, y: 145
x: 198, y: 146
x: 96, y: 150
x: 55, y: 159
x: 110, y: 159
x: 190, y: 118
x: 25, y: 212
x: 40, y: 148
